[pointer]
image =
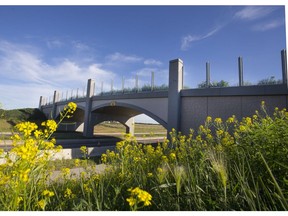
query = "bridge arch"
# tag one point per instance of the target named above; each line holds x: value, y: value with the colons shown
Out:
x: 125, y: 109
x: 75, y: 122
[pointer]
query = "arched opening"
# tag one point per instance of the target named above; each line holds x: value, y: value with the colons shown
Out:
x: 116, y: 120
x: 110, y: 128
x: 74, y: 123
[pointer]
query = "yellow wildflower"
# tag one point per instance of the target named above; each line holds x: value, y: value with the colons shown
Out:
x: 218, y: 120
x: 77, y: 162
x: 209, y: 119
x: 48, y: 193
x: 87, y: 188
x: 66, y: 171
x: 138, y: 196
x: 68, y: 193
x: 42, y: 204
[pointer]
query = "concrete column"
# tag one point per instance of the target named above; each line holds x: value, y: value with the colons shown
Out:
x: 240, y: 69
x: 284, y: 66
x: 174, y: 98
x: 55, y: 100
x: 207, y: 74
x: 130, y: 126
x: 88, y: 117
x: 40, y: 103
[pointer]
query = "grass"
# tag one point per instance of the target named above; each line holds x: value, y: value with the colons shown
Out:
x: 115, y: 127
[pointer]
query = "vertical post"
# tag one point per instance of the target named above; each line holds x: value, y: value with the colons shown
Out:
x: 55, y: 100
x: 40, y: 103
x: 240, y: 69
x: 88, y: 120
x: 207, y: 74
x: 123, y: 84
x: 136, y: 83
x: 77, y: 93
x: 284, y: 66
x: 174, y: 97
x: 101, y: 87
x: 152, y: 81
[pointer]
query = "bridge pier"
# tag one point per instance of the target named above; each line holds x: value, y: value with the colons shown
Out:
x: 89, y: 116
x: 174, y: 97
x: 129, y: 124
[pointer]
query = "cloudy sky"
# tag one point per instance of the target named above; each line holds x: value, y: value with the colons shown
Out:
x: 47, y: 48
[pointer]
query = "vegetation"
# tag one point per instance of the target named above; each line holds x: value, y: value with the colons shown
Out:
x: 9, y: 118
x: 115, y: 127
x: 269, y: 81
x: 221, y: 83
x: 145, y: 88
x: 225, y: 165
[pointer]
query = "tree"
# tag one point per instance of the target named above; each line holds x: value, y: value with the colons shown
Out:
x: 269, y: 81
x: 221, y: 83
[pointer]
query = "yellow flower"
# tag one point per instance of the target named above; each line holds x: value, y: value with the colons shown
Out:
x: 242, y: 128
x: 87, y: 188
x: 218, y: 120
x: 149, y: 175
x: 209, y: 119
x: 219, y: 132
x: 66, y: 171
x: 77, y: 162
x: 19, y: 199
x: 68, y: 193
x: 24, y: 175
x: 231, y: 120
x: 131, y: 201
x: 48, y: 193
x: 172, y: 156
x: 83, y: 149
x: 42, y: 204
x: 138, y: 196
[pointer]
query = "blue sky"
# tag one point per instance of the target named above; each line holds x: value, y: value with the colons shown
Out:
x: 47, y: 48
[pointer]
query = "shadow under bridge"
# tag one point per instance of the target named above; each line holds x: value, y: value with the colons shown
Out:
x: 122, y: 113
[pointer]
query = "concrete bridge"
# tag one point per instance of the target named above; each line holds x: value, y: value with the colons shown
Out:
x: 177, y: 108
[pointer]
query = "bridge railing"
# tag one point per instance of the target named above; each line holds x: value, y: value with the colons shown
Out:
x: 131, y: 86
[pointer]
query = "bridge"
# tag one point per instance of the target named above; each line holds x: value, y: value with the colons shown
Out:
x: 176, y: 108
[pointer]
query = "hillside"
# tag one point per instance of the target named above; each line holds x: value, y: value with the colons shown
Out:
x: 9, y: 118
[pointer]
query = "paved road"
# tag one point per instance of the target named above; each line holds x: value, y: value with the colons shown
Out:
x: 97, y: 142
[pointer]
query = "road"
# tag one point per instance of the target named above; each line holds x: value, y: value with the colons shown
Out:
x: 97, y: 142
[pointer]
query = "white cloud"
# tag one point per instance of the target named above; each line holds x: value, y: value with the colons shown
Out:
x: 268, y: 25
x: 187, y: 40
x: 253, y: 12
x: 152, y: 62
x: 25, y: 76
x: 119, y: 57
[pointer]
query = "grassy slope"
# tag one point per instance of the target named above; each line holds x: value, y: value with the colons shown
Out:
x: 119, y: 128
x: 10, y: 118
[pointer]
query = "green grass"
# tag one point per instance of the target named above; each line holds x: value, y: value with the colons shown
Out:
x: 115, y: 127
